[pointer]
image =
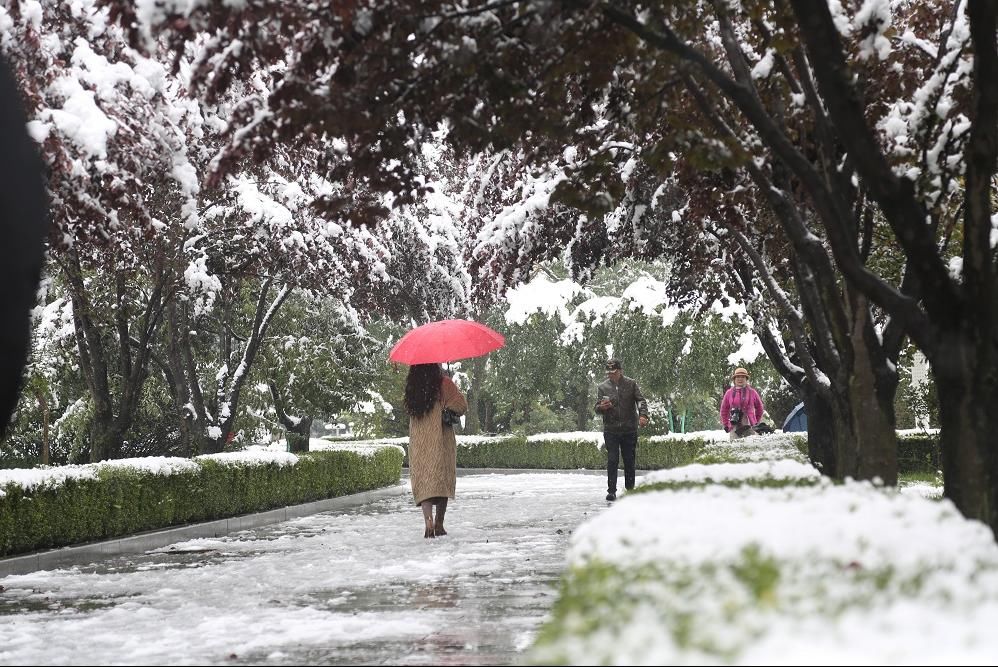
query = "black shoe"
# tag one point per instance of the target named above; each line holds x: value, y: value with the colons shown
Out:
x: 611, y: 496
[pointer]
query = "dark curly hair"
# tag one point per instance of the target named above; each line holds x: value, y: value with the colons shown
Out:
x: 422, y: 388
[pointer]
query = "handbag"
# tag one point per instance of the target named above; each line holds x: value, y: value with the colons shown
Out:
x: 450, y: 418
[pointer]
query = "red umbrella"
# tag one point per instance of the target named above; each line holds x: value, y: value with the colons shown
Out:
x: 447, y: 340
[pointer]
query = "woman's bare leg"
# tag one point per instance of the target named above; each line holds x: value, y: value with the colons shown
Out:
x: 438, y: 525
x: 427, y: 506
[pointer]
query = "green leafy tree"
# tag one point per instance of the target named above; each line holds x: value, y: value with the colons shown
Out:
x: 314, y: 362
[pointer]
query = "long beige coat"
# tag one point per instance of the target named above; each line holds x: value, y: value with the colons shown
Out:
x: 433, y: 448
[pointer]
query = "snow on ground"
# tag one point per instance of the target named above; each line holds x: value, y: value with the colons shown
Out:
x: 770, y: 447
x: 827, y: 574
x: 360, y: 587
x: 782, y: 469
x: 922, y: 489
x: 711, y: 436
x: 821, y: 573
x: 359, y: 446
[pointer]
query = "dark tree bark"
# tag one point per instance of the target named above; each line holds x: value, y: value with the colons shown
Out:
x: 43, y: 404
x: 176, y: 339
x: 473, y: 422
x: 220, y: 413
x: 115, y: 403
x: 298, y: 428
x: 957, y: 330
x: 839, y: 357
x: 583, y: 408
x: 192, y: 381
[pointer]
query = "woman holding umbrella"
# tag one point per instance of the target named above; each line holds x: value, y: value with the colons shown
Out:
x: 428, y: 393
x: 432, y: 444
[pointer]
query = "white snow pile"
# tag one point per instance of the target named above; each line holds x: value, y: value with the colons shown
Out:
x: 710, y: 571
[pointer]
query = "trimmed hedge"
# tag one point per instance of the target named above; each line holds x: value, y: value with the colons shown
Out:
x: 518, y: 452
x: 918, y: 453
x: 122, y: 501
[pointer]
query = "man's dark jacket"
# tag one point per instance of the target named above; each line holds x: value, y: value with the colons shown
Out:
x: 628, y: 403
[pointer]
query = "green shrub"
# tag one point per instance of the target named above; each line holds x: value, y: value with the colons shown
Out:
x: 518, y: 452
x: 756, y: 482
x: 918, y: 453
x: 121, y: 501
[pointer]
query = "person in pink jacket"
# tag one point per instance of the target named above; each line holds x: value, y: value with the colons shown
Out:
x: 741, y: 407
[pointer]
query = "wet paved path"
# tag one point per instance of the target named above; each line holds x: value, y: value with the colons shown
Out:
x: 358, y: 586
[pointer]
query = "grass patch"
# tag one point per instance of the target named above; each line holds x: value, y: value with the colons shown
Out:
x: 756, y: 482
x: 920, y: 477
x: 681, y: 613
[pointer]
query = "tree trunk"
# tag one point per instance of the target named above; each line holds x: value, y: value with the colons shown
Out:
x: 229, y: 386
x: 472, y: 424
x: 865, y: 442
x: 488, y: 416
x: 111, y: 421
x: 967, y: 428
x: 44, y: 405
x: 956, y: 329
x: 860, y: 429
x: 229, y: 400
x: 197, y: 419
x: 850, y: 425
x: 821, y: 447
x: 298, y: 435
x: 864, y: 401
x: 872, y: 407
x: 297, y: 430
x: 105, y: 440
x: 176, y: 338
x: 583, y: 412
x: 578, y: 397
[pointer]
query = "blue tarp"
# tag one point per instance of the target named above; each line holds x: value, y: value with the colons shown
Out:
x: 796, y: 420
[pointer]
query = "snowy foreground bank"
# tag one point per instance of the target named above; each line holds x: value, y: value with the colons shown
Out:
x: 758, y: 560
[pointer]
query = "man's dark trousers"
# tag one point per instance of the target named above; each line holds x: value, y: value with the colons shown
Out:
x: 617, y: 443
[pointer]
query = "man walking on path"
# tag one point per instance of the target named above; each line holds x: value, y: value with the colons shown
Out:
x: 623, y: 408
